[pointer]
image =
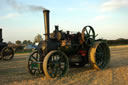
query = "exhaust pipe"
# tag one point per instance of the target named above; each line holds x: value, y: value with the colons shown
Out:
x: 46, y: 23
x: 1, y: 40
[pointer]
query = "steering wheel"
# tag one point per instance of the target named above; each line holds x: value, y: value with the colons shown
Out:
x: 88, y: 35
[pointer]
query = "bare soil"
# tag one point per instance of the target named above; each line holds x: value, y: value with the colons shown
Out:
x: 14, y: 72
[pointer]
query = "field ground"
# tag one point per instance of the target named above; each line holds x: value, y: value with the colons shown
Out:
x: 14, y: 72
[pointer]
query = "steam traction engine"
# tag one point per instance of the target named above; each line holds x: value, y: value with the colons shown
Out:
x: 63, y: 50
x: 6, y: 53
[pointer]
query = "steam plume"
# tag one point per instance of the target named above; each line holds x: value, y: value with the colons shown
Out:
x: 22, y: 7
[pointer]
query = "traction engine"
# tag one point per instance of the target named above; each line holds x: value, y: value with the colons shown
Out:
x: 63, y: 50
x: 6, y: 53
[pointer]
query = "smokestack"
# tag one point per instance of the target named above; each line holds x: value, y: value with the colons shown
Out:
x: 1, y: 35
x: 46, y: 23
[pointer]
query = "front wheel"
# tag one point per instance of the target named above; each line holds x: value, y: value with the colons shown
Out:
x: 7, y: 53
x: 99, y: 55
x: 34, y: 63
x: 55, y: 64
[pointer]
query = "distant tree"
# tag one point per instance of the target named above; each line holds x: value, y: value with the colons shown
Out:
x: 25, y: 42
x: 38, y: 38
x: 120, y: 39
x: 29, y: 42
x: 9, y: 42
x: 18, y: 42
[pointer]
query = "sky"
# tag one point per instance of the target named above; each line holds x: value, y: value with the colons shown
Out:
x: 23, y: 19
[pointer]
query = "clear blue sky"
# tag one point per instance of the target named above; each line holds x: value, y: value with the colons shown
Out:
x: 108, y: 17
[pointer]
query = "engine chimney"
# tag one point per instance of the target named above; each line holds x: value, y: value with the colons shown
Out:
x: 1, y: 35
x: 46, y: 23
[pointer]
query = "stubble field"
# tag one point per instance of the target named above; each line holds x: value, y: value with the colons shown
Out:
x: 14, y: 72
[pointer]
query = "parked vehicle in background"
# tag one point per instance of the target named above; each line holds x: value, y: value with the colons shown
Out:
x: 6, y: 53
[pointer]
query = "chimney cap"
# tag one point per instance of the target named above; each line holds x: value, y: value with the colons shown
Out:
x: 46, y: 10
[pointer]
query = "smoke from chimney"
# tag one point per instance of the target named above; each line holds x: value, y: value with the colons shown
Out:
x: 23, y: 7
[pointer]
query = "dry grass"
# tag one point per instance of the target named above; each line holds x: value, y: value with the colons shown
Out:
x: 14, y: 72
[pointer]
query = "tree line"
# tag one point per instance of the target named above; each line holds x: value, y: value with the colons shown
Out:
x: 120, y: 41
x: 37, y: 38
x: 19, y: 46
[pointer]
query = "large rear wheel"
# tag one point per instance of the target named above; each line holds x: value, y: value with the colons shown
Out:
x: 55, y: 64
x: 99, y: 55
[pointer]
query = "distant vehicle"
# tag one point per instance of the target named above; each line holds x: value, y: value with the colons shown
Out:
x: 6, y: 53
x: 30, y: 46
x: 35, y: 46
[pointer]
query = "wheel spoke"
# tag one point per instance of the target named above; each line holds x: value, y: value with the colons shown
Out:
x: 89, y: 31
x: 33, y: 71
x: 34, y: 57
x: 37, y: 56
x: 31, y: 60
